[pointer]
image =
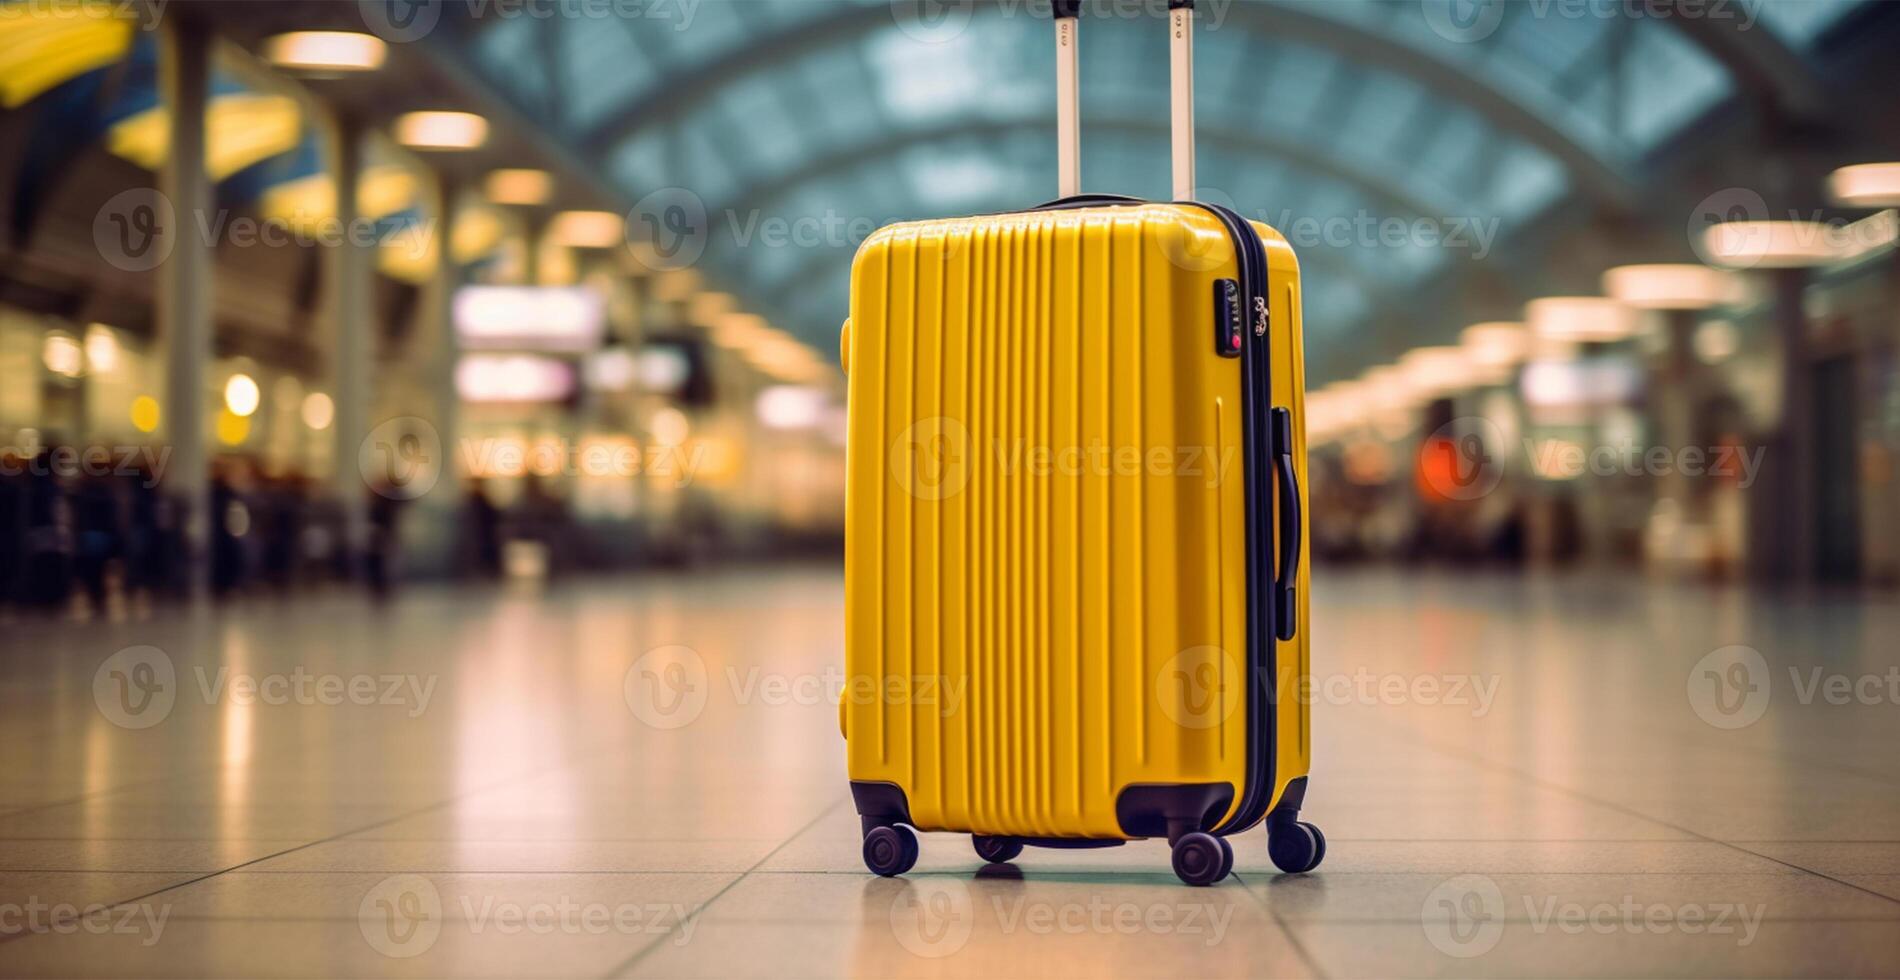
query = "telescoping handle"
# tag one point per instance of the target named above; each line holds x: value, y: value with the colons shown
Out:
x: 1180, y: 100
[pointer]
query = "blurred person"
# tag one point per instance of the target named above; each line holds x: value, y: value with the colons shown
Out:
x: 381, y: 553
x: 230, y: 524
x: 46, y: 570
x: 13, y: 493
x: 544, y: 519
x: 98, y: 536
x: 482, y: 520
x: 280, y: 528
x: 152, y: 539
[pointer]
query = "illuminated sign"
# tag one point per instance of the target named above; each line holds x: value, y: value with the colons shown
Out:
x: 540, y: 318
x: 513, y: 378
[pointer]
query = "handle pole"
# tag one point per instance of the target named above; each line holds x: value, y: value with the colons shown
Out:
x: 1068, y: 104
x: 1181, y: 94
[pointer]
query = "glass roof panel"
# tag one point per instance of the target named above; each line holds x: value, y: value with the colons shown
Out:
x: 713, y: 29
x: 1302, y: 126
x: 1801, y: 21
x: 506, y: 50
x: 602, y: 67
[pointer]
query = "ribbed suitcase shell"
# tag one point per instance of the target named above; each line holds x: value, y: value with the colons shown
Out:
x: 1045, y: 563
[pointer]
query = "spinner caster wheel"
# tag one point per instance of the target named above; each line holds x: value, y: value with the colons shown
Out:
x: 890, y: 851
x: 1226, y: 858
x: 1200, y: 860
x: 1296, y: 847
x: 996, y: 850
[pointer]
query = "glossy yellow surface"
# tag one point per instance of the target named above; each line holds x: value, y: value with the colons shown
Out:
x: 1045, y: 567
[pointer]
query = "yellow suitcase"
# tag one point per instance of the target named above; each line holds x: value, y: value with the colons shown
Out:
x: 1075, y: 578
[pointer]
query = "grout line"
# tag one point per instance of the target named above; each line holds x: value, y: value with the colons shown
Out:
x: 1299, y: 948
x: 109, y: 908
x: 630, y: 962
x: 1484, y: 762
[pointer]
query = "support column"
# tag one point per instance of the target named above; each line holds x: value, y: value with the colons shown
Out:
x: 444, y: 350
x: 1675, y: 396
x: 347, y: 282
x: 1781, y: 510
x: 431, y: 543
x: 184, y: 315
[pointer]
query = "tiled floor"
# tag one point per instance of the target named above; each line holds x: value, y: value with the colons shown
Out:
x: 1515, y: 776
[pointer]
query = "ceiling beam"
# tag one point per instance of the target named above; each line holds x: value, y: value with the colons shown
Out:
x: 685, y: 91
x: 1389, y: 195
x: 1761, y: 63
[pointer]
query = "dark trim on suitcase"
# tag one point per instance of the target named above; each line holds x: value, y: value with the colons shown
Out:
x: 1171, y: 809
x: 1256, y: 372
x: 880, y: 804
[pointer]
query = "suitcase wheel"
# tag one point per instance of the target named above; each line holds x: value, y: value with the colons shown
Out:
x: 890, y: 851
x: 1296, y: 847
x: 1201, y: 858
x: 996, y: 850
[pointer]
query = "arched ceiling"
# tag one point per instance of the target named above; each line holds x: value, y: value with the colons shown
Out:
x: 1323, y: 117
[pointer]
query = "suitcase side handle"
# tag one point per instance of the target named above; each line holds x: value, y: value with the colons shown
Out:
x: 1285, y: 610
x: 1180, y: 97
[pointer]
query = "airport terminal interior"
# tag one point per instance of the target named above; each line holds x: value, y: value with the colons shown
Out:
x: 424, y: 482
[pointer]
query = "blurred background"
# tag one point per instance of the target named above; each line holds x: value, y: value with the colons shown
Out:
x: 1582, y: 286
x: 525, y: 316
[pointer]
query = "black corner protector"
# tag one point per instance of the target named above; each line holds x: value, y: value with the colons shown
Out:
x: 1171, y: 809
x: 1290, y: 801
x: 880, y: 804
